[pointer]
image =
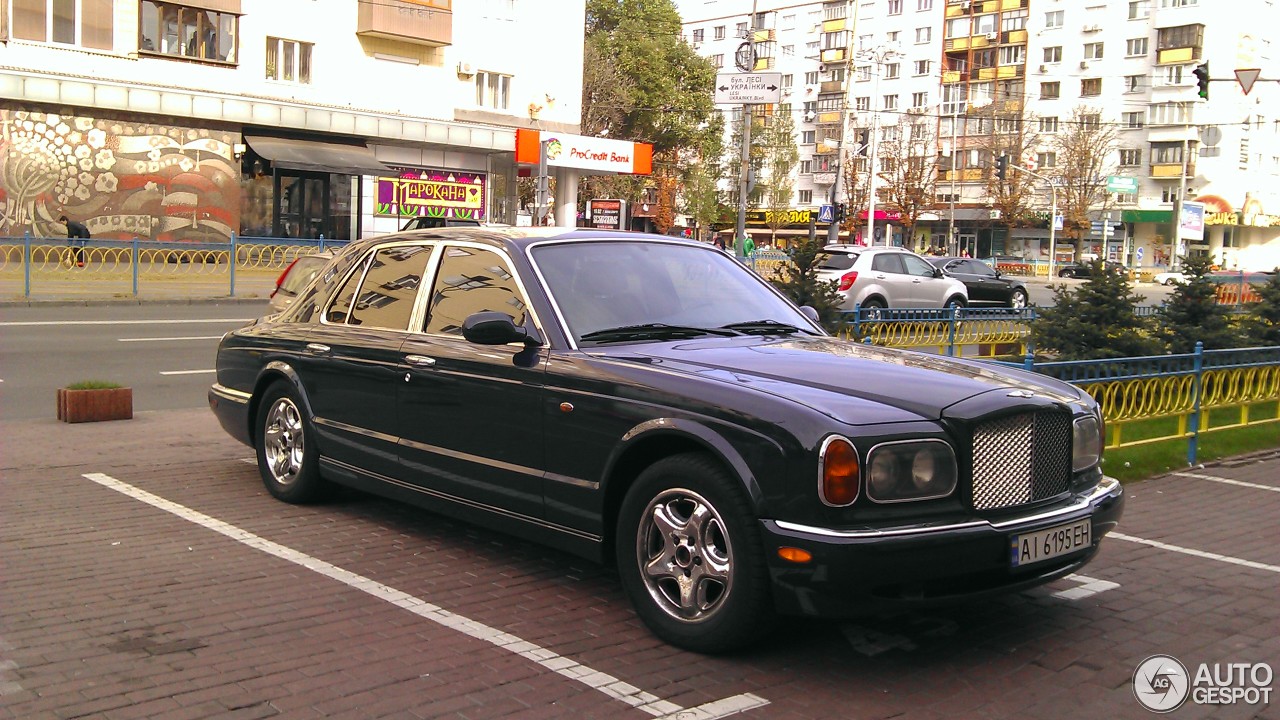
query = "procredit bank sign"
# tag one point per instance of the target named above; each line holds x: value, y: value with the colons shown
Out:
x: 600, y: 155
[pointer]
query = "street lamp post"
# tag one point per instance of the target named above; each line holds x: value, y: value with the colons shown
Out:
x: 878, y: 55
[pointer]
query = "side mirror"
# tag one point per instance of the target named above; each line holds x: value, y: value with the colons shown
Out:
x: 494, y: 328
x: 809, y: 312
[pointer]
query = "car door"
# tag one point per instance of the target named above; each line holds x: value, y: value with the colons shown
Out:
x: 983, y: 283
x: 927, y: 290
x: 350, y: 367
x: 887, y: 271
x: 470, y: 415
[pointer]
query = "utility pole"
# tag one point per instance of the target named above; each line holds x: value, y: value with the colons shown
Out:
x: 740, y: 229
x: 1177, y: 203
x: 878, y: 55
x: 952, y: 172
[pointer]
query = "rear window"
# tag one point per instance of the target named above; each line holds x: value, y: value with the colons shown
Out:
x: 302, y: 273
x: 836, y: 260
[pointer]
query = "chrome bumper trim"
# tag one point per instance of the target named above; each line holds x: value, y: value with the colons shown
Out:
x: 1108, y: 487
x: 229, y: 394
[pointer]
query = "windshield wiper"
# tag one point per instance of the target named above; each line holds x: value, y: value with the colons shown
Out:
x: 764, y: 327
x: 652, y: 331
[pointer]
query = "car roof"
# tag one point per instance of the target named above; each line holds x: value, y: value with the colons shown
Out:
x: 521, y: 237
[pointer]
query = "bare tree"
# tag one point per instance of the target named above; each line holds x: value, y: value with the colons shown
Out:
x: 1085, y: 152
x: 780, y: 157
x: 909, y: 169
x: 1008, y: 130
x: 854, y: 188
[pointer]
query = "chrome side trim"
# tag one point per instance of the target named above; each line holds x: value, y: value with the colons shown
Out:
x: 355, y: 430
x: 468, y: 457
x: 463, y: 501
x: 227, y: 393
x: 1108, y: 487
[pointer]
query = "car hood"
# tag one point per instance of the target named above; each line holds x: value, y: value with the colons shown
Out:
x: 839, y: 378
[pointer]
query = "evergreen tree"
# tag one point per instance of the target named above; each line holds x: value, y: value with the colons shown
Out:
x: 1094, y: 321
x: 1263, y: 322
x: 799, y: 282
x: 1192, y: 313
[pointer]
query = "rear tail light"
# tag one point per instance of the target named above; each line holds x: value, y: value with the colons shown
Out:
x: 847, y: 280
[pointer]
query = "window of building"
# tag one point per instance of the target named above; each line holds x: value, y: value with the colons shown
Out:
x: 1047, y: 159
x: 718, y: 33
x: 810, y: 106
x: 890, y: 102
x: 919, y: 100
x: 167, y: 28
x: 1090, y: 87
x: 1132, y: 83
x: 1013, y: 54
x: 923, y: 35
x: 924, y: 5
x: 1130, y: 157
x: 718, y: 60
x: 1171, y: 113
x: 1178, y: 3
x: 807, y: 137
x: 811, y: 77
x: 862, y: 73
x: 983, y: 24
x: 806, y: 167
x: 1169, y: 194
x: 1013, y: 20
x: 893, y: 37
x: 895, y: 7
x: 891, y: 71
x: 956, y: 27
x: 86, y: 23
x: 493, y: 90
x: 1135, y: 47
x: 288, y: 60
x: 1093, y: 51
x: 1173, y: 75
x: 1050, y: 90
x: 1139, y: 9
x: 1048, y: 124
x: 740, y: 30
x: 698, y: 36
x: 789, y: 22
x: 788, y: 80
x: 922, y: 67
x: 1053, y: 54
x: 788, y: 50
x: 1182, y: 36
x: 862, y: 104
x: 1092, y: 121
x: 1132, y: 120
x: 1053, y: 19
x: 806, y: 197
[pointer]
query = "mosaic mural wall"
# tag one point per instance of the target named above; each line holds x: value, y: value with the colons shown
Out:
x: 123, y: 179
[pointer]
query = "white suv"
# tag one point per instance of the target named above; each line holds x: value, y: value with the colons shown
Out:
x: 887, y: 277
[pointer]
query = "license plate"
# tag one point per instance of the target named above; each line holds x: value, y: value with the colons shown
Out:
x: 1047, y: 544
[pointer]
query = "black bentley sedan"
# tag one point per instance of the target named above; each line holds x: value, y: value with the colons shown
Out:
x: 649, y: 401
x: 986, y: 285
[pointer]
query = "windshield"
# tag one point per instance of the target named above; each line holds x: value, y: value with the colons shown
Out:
x: 668, y: 289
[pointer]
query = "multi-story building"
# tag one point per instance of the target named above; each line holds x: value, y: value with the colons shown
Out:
x: 985, y: 67
x: 196, y: 119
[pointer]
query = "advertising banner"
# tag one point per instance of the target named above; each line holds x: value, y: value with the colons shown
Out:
x: 432, y: 193
x: 1191, y: 224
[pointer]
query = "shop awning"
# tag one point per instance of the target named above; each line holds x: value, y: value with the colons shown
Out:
x: 290, y: 154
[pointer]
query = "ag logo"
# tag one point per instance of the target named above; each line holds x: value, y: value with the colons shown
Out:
x: 1161, y: 683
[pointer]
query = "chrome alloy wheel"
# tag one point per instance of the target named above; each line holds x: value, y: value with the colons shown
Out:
x: 685, y: 557
x: 284, y: 442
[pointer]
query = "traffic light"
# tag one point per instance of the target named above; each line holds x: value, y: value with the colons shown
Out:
x: 1002, y: 166
x: 1202, y: 79
x: 838, y: 212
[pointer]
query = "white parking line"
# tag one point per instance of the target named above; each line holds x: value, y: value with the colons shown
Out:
x: 1196, y: 553
x: 1228, y: 481
x: 571, y: 669
x: 187, y: 372
x: 166, y: 339
x: 125, y: 322
x: 1088, y: 586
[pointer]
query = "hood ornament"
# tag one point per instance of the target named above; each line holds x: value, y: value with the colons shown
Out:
x: 1022, y: 394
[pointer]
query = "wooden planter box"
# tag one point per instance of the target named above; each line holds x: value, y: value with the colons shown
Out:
x: 94, y: 405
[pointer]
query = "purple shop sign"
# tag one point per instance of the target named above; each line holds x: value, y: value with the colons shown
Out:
x: 432, y: 193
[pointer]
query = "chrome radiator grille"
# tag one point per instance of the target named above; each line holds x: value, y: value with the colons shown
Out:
x: 1021, y: 459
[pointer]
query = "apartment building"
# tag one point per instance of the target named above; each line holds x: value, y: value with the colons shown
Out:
x: 971, y: 65
x: 193, y: 120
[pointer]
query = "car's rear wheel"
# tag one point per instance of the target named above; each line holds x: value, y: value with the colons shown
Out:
x: 873, y: 309
x: 690, y: 558
x: 954, y: 302
x: 1170, y: 282
x: 287, y: 456
x: 1018, y: 299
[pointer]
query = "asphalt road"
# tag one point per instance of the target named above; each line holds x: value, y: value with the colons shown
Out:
x: 165, y: 352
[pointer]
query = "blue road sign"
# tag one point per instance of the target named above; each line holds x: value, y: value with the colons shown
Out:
x: 826, y: 214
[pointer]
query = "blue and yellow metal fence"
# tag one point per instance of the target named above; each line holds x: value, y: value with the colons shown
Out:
x: 55, y: 267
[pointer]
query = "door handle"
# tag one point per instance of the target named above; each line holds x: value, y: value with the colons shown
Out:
x: 317, y: 348
x: 420, y: 361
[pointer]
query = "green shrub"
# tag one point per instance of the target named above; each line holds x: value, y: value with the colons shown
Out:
x: 94, y: 385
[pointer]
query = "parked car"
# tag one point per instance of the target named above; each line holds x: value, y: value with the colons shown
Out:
x: 985, y: 285
x: 295, y: 277
x: 1084, y: 270
x: 682, y: 420
x: 1169, y: 278
x: 884, y: 277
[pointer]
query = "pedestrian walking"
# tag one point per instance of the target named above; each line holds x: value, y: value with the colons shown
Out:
x: 77, y: 235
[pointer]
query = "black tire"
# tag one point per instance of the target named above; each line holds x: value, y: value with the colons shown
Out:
x: 953, y: 302
x: 288, y: 458
x: 721, y: 558
x: 873, y: 308
x: 1018, y: 299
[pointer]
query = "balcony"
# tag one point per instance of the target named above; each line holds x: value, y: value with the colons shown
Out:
x: 421, y: 22
x: 831, y: 86
x: 1164, y: 171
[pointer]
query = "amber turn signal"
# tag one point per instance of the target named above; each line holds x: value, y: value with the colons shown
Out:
x: 795, y: 555
x: 840, y: 472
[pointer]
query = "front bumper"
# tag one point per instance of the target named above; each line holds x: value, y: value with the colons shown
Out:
x: 232, y: 410
x: 856, y: 571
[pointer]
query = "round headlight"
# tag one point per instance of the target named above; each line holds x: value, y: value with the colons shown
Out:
x: 883, y: 474
x: 924, y: 468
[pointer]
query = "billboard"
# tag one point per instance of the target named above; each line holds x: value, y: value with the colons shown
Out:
x: 1191, y: 223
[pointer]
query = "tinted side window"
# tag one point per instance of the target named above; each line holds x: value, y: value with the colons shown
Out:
x: 472, y: 280
x: 836, y: 261
x: 340, y: 308
x: 386, y: 297
x: 917, y: 266
x: 887, y: 262
x: 977, y: 267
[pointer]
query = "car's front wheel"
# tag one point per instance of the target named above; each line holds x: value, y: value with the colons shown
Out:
x: 287, y: 456
x: 1018, y: 300
x: 690, y: 558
